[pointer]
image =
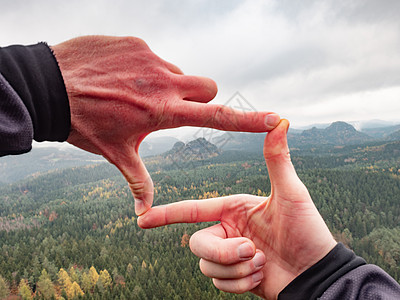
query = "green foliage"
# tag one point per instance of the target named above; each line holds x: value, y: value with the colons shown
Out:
x: 45, y: 287
x: 82, y: 220
x: 4, y: 290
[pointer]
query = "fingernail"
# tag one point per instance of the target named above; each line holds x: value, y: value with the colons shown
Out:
x: 246, y: 250
x: 258, y: 260
x: 271, y: 120
x: 139, y: 207
x: 257, y: 276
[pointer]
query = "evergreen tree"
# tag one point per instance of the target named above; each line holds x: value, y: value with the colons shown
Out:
x: 4, y: 291
x: 45, y: 287
x: 74, y: 275
x: 86, y: 282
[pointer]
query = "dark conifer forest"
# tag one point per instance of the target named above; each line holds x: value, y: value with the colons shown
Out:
x: 72, y: 233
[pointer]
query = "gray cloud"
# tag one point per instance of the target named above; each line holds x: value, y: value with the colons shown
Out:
x: 280, y: 54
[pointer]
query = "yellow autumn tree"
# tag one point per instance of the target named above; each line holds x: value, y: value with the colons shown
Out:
x: 64, y: 280
x: 24, y: 290
x: 129, y: 268
x: 93, y: 276
x: 75, y: 291
x: 144, y: 265
x: 105, y: 278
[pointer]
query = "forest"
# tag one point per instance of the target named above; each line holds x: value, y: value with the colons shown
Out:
x: 72, y: 233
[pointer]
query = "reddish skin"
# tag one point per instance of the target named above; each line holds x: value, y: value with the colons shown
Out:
x: 285, y: 229
x: 120, y: 91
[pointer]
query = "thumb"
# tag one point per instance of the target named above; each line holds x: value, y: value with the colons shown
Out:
x: 139, y: 180
x: 276, y: 152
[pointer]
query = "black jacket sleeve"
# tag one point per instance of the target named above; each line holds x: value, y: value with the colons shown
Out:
x: 33, y: 99
x: 342, y: 275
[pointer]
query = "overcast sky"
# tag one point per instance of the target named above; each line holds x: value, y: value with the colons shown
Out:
x: 310, y: 61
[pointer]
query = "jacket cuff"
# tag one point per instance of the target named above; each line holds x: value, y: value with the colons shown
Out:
x: 33, y: 73
x: 313, y: 282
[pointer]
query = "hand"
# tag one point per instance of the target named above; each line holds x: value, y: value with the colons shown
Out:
x: 120, y: 91
x: 261, y: 244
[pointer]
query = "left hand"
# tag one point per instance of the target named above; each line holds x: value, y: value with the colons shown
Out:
x: 261, y: 243
x: 120, y: 91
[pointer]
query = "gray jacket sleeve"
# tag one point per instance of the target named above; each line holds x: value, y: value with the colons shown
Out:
x: 16, y: 130
x: 341, y: 275
x: 367, y: 282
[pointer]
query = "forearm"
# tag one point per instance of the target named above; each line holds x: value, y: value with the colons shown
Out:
x: 33, y: 100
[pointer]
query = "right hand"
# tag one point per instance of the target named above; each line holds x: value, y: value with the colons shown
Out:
x: 262, y: 243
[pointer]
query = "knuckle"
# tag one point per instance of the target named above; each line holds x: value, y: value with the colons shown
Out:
x: 241, y: 270
x: 243, y: 285
x: 135, y: 42
x: 204, y: 268
x: 138, y: 189
x: 219, y: 114
x: 222, y: 255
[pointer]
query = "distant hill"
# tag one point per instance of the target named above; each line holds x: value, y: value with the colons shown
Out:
x: 198, y: 149
x: 41, y: 160
x: 338, y: 133
x: 395, y: 136
x: 381, y: 132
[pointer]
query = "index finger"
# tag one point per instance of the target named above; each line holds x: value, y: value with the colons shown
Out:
x: 189, y: 211
x: 189, y: 113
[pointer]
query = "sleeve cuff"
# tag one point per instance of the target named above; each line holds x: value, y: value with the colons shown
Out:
x: 33, y: 73
x: 313, y: 282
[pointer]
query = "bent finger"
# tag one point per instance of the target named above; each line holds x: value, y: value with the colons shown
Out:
x: 197, y: 88
x: 233, y: 271
x: 212, y: 245
x: 239, y: 286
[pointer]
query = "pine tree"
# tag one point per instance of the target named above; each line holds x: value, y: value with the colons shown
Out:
x: 129, y: 269
x: 86, y: 283
x: 74, y: 275
x: 45, y: 286
x: 4, y: 291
